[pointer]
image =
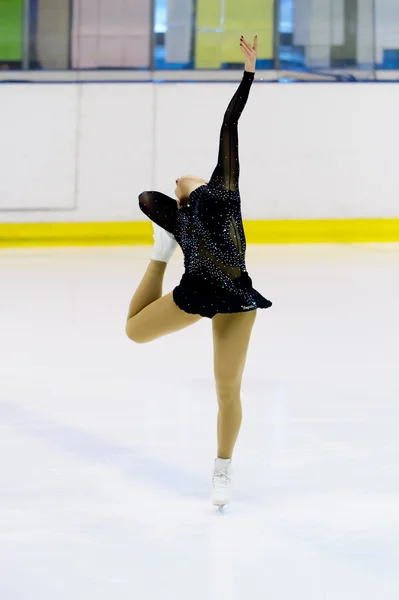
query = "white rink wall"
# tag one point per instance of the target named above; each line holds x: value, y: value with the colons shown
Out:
x: 84, y: 152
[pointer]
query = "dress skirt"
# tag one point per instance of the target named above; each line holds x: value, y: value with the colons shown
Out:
x: 207, y: 296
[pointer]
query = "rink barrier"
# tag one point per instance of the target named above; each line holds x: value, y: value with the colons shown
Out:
x: 257, y: 232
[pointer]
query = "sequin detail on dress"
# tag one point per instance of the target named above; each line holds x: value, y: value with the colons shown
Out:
x: 210, y: 230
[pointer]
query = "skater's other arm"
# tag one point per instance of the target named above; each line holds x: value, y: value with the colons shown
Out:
x: 161, y: 209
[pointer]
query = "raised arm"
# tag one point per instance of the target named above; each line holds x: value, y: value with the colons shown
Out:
x: 227, y: 171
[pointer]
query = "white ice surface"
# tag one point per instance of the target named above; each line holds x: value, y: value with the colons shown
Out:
x: 106, y: 448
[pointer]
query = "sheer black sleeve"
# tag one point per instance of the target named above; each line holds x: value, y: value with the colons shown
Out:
x: 161, y: 209
x: 227, y: 171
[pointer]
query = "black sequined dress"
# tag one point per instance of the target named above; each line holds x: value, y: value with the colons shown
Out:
x: 210, y: 230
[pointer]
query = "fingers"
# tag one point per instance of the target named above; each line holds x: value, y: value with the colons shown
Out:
x: 245, y: 44
x: 251, y: 50
x: 245, y: 50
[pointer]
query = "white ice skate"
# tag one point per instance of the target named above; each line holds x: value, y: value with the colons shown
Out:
x: 164, y: 245
x: 221, y: 482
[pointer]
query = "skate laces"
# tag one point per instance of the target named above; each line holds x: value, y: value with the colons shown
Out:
x: 221, y: 478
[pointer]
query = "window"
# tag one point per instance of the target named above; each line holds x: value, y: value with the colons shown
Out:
x: 321, y: 35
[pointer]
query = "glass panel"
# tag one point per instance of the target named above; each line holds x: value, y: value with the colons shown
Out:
x: 49, y: 34
x: 327, y: 35
x: 219, y: 25
x: 204, y: 34
x: 111, y: 34
x: 11, y: 34
x: 174, y: 34
x: 387, y: 34
x: 179, y: 32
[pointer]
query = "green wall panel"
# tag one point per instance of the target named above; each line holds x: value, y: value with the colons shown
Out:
x: 11, y: 24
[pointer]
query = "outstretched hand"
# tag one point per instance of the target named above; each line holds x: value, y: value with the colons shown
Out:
x: 250, y: 53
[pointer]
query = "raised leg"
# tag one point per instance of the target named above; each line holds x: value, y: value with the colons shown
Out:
x: 150, y: 288
x: 152, y: 315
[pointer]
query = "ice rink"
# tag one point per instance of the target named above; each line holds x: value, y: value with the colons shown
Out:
x: 107, y: 447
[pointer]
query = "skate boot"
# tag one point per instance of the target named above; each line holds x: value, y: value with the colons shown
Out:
x: 221, y: 482
x: 164, y: 245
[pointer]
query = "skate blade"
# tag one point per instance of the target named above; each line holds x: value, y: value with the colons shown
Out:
x: 220, y: 509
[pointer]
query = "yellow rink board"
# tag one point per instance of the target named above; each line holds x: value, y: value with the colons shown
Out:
x: 220, y: 24
x: 257, y: 232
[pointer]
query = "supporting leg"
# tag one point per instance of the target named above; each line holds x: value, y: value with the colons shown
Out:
x: 231, y: 335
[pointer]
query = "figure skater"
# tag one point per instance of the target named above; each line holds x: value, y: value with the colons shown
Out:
x: 206, y: 222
